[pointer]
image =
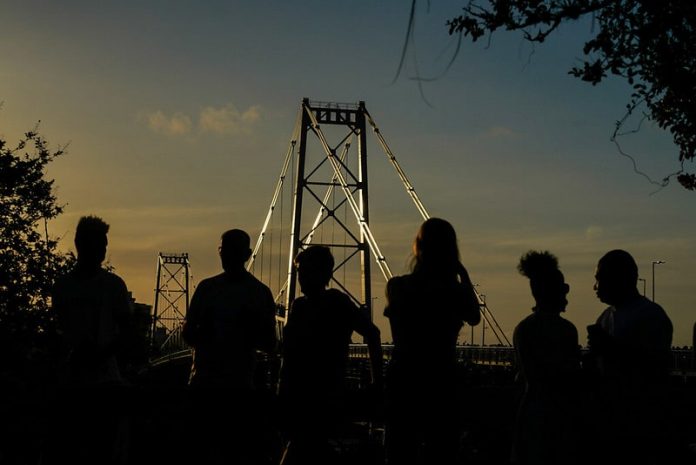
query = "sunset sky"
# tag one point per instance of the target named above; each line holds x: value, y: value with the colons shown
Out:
x: 178, y: 115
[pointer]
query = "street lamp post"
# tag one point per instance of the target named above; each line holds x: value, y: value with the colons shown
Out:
x: 655, y: 262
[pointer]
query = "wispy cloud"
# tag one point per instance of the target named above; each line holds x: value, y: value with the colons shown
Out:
x: 497, y: 132
x: 177, y: 124
x: 228, y: 119
x: 223, y: 120
x: 594, y: 232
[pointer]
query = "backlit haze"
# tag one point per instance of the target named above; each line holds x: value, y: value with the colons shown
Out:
x: 178, y: 116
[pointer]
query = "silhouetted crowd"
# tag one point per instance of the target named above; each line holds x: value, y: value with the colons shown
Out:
x: 608, y: 406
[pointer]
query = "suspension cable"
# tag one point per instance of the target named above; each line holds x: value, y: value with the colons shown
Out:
x: 263, y: 248
x: 276, y: 193
x: 381, y: 260
x: 327, y: 196
x: 486, y: 311
x: 270, y: 256
x: 402, y: 175
x: 279, y: 185
x: 280, y: 255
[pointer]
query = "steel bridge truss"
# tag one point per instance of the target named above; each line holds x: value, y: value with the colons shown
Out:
x: 171, y: 301
x: 353, y: 183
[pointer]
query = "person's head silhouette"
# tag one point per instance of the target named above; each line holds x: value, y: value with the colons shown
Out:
x: 546, y: 280
x: 616, y: 277
x: 314, y: 269
x: 435, y: 248
x: 234, y: 250
x: 91, y: 242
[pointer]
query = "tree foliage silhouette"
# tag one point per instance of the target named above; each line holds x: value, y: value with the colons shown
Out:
x: 649, y: 43
x: 29, y: 260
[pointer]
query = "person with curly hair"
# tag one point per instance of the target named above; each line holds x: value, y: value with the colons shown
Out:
x: 548, y: 358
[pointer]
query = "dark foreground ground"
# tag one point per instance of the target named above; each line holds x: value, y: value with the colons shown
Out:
x: 159, y: 421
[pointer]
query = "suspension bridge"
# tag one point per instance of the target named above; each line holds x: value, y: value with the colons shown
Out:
x: 321, y: 197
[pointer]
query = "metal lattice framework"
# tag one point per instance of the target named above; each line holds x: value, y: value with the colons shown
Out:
x: 319, y: 179
x: 171, y: 301
x: 350, y: 181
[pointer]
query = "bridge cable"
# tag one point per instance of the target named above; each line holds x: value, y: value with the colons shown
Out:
x: 414, y: 195
x: 364, y: 227
x: 274, y: 200
x: 279, y: 185
x: 270, y: 257
x: 318, y: 217
x: 492, y: 328
x: 488, y: 311
x: 280, y: 255
x: 329, y: 192
x: 402, y: 174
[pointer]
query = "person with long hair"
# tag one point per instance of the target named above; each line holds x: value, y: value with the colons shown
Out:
x: 426, y: 310
x: 548, y: 357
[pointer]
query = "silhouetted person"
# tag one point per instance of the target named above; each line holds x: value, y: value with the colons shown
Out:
x: 231, y: 316
x: 92, y: 310
x: 631, y: 346
x: 693, y: 348
x: 316, y: 339
x: 548, y: 357
x: 426, y: 310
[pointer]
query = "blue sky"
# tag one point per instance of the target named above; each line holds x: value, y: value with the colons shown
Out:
x: 178, y: 115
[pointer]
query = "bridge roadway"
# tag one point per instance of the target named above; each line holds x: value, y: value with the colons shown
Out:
x: 684, y: 361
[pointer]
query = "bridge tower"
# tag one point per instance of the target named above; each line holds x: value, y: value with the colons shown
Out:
x: 324, y: 173
x: 352, y: 181
x: 171, y: 302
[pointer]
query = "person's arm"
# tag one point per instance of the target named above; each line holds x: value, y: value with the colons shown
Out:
x: 374, y: 346
x: 369, y: 331
x: 471, y: 310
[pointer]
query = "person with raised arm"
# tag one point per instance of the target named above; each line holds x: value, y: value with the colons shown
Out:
x: 316, y: 340
x: 426, y: 310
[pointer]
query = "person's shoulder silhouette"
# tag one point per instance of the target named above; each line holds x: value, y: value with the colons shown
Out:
x: 93, y: 312
x: 92, y: 306
x: 231, y: 315
x: 548, y: 360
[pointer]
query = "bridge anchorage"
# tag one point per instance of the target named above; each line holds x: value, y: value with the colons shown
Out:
x: 331, y: 179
